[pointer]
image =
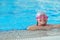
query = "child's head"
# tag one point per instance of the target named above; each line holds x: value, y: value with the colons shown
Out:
x: 41, y: 18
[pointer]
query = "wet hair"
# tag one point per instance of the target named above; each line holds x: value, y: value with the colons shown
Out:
x: 37, y: 24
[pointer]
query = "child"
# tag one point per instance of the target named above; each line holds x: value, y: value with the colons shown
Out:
x: 42, y: 22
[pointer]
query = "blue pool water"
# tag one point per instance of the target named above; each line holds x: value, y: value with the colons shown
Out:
x: 19, y: 14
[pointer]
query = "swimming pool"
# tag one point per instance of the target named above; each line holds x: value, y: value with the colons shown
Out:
x: 19, y: 14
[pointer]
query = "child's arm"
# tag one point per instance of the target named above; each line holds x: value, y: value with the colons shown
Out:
x: 39, y: 28
x: 45, y: 27
x: 56, y: 26
x: 32, y: 28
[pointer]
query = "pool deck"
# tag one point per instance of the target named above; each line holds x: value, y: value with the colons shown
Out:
x: 23, y: 34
